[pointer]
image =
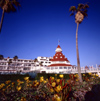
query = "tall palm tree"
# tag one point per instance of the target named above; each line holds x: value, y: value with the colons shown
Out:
x: 80, y: 13
x: 15, y: 58
x: 9, y: 62
x: 1, y: 57
x: 40, y: 64
x: 35, y: 60
x: 8, y: 6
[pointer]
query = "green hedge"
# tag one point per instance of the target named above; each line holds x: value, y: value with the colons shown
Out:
x: 45, y: 75
x: 12, y: 77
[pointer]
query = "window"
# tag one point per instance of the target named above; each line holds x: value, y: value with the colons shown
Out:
x: 52, y: 67
x: 56, y: 67
x: 48, y: 68
x: 69, y: 67
x: 65, y: 67
x: 60, y: 68
x: 61, y: 57
x: 5, y: 59
x: 25, y: 68
x: 29, y: 65
x: 25, y: 60
x: 18, y: 64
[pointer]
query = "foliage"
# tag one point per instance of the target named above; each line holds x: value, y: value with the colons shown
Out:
x: 9, y: 5
x: 52, y: 89
x: 32, y: 75
x: 15, y: 57
x: 81, y: 7
x: 1, y: 57
x: 12, y: 77
x: 45, y: 75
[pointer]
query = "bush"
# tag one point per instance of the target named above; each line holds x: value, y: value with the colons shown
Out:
x: 12, y: 77
x: 32, y: 75
x: 47, y: 75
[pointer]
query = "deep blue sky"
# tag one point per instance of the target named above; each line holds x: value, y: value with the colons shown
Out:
x: 35, y: 28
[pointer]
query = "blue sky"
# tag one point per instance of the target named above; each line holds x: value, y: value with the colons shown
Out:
x: 35, y: 28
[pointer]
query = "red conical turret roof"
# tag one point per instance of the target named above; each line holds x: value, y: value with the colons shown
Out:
x: 59, y: 55
x: 59, y: 58
x: 58, y: 46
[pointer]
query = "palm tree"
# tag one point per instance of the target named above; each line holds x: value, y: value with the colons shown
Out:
x: 35, y: 60
x: 9, y: 62
x: 80, y: 13
x: 8, y: 6
x: 15, y: 58
x: 40, y: 64
x: 1, y: 57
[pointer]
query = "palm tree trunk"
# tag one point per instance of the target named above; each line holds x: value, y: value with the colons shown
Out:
x: 2, y: 20
x: 78, y: 61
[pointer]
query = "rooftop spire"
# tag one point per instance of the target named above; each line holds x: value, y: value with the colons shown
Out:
x: 58, y: 49
x: 58, y: 41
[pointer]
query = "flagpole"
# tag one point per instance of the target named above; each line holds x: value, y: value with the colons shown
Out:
x: 58, y: 41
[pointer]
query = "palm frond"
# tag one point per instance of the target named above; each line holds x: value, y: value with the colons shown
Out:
x: 80, y: 6
x: 16, y: 3
x: 86, y: 6
x: 2, y: 3
x: 72, y: 8
x: 71, y: 14
x: 85, y: 14
x: 12, y: 8
x: 83, y: 9
x: 10, y: 5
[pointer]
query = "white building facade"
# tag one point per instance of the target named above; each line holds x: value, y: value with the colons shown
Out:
x: 59, y: 63
x: 56, y: 64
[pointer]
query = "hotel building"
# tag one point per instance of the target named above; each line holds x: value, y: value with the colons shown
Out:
x: 56, y: 64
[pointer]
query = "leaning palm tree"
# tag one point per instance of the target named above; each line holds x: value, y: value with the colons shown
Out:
x: 80, y: 13
x: 8, y: 6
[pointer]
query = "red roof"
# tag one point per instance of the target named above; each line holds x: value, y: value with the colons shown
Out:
x: 58, y: 46
x: 59, y: 65
x: 59, y: 57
